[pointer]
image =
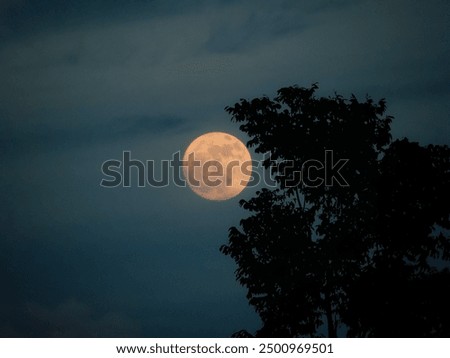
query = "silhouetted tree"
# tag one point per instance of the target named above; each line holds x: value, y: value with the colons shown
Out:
x: 404, y: 291
x: 311, y: 245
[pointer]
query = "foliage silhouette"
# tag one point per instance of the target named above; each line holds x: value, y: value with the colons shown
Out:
x: 366, y: 256
x: 410, y: 295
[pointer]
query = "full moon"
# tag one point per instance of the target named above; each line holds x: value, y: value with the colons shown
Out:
x: 217, y: 166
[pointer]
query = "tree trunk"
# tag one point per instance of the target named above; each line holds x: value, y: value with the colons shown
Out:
x: 329, y: 314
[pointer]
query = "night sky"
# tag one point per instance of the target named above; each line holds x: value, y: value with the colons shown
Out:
x: 82, y: 81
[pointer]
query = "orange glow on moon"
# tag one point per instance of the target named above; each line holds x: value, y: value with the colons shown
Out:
x: 218, y: 166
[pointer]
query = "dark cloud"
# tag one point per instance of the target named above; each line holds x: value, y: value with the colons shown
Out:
x: 23, y: 17
x: 71, y: 319
x: 243, y: 29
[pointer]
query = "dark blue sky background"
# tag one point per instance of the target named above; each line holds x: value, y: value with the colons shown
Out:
x: 81, y: 81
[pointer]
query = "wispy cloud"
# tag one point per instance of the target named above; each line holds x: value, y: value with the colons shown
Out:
x: 43, y: 136
x: 72, y: 319
x: 193, y: 63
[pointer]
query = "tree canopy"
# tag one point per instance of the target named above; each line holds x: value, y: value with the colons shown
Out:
x: 354, y: 238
